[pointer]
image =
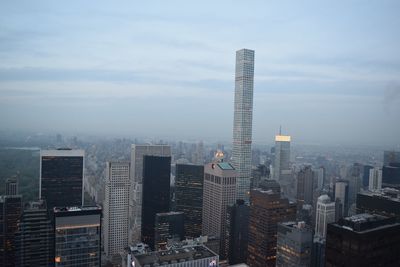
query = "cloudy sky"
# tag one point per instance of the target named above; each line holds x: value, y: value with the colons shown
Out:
x: 327, y: 71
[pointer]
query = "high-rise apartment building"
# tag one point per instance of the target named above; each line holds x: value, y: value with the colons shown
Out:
x: 116, y: 207
x: 242, y: 121
x: 135, y: 198
x: 325, y: 214
x: 10, y: 213
x: 237, y: 233
x: 219, y: 192
x: 375, y: 179
x: 189, y: 196
x: 267, y: 209
x: 61, y: 177
x: 77, y: 236
x: 294, y: 245
x: 156, y: 193
x: 363, y: 240
x: 34, y: 239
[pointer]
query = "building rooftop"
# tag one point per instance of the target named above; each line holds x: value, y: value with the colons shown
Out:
x: 387, y: 193
x: 158, y: 258
x: 225, y: 166
x: 72, y: 209
x: 365, y: 222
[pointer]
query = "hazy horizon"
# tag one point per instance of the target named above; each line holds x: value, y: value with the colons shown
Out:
x: 327, y: 72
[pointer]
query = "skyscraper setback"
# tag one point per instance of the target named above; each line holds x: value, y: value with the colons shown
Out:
x: 242, y: 121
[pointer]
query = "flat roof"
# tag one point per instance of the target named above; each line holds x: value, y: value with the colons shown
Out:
x: 156, y: 258
x: 225, y: 166
x: 62, y: 153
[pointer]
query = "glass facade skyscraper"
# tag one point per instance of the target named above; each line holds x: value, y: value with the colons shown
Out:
x: 61, y: 177
x: 189, y: 196
x: 156, y: 193
x: 77, y: 237
x: 242, y: 121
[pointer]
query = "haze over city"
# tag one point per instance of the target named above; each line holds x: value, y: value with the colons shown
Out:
x: 327, y: 72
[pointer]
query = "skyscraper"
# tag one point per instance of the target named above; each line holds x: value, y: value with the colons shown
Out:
x: 34, y: 239
x: 342, y: 197
x: 375, y: 179
x: 305, y: 186
x: 325, y: 214
x: 10, y: 213
x: 294, y: 245
x: 267, y: 209
x: 135, y: 198
x: 219, y: 192
x: 12, y: 186
x: 363, y: 240
x: 77, y: 236
x: 61, y: 177
x: 116, y: 207
x: 156, y: 193
x: 237, y: 232
x: 282, y: 172
x: 189, y: 196
x: 242, y: 121
x: 391, y: 157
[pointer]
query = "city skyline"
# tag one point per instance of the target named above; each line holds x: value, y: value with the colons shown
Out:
x: 60, y: 70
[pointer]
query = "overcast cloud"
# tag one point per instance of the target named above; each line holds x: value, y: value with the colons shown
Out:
x: 327, y: 71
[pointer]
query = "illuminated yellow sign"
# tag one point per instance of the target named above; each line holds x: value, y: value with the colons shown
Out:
x: 282, y: 138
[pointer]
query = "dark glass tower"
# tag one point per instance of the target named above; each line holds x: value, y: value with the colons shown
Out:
x: 168, y: 225
x: 237, y: 232
x: 189, y: 196
x: 34, y: 236
x: 363, y: 240
x: 385, y: 202
x: 61, y: 177
x: 156, y: 193
x: 10, y: 213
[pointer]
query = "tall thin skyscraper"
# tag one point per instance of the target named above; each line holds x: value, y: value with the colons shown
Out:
x: 375, y: 179
x: 219, y: 192
x: 61, y: 177
x: 116, y: 207
x: 242, y: 121
x: 135, y: 198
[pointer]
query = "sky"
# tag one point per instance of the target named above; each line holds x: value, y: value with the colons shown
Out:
x: 327, y: 71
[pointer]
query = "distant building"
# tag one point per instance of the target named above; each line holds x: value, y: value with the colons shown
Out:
x: 305, y: 186
x: 219, y: 192
x: 189, y: 196
x: 270, y: 184
x: 116, y: 207
x: 363, y: 240
x: 156, y: 193
x: 294, y: 245
x: 136, y: 194
x: 243, y: 121
x: 61, y: 177
x: 342, y: 197
x: 375, y: 179
x: 237, y: 232
x: 325, y: 214
x: 188, y: 256
x: 390, y: 157
x: 281, y: 171
x: 385, y: 202
x: 77, y: 236
x: 267, y: 209
x: 34, y: 239
x: 168, y: 225
x: 10, y: 213
x: 391, y: 175
x: 12, y: 186
x: 365, y: 179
